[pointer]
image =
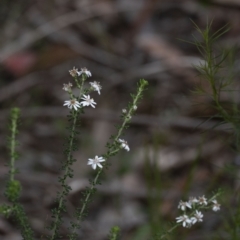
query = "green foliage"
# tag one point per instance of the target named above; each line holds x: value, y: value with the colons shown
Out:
x: 14, y: 122
x: 22, y: 220
x: 13, y: 190
x: 13, y: 187
x: 217, y: 72
x: 6, y: 210
x: 166, y: 232
x: 216, y: 69
x: 114, y: 233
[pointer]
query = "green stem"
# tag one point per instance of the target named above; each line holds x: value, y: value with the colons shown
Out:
x: 67, y: 171
x: 12, y: 147
x: 128, y: 116
x: 169, y: 231
x: 212, y: 80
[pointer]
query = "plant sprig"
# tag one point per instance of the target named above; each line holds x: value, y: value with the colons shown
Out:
x: 113, y: 149
x: 13, y: 187
x: 76, y: 105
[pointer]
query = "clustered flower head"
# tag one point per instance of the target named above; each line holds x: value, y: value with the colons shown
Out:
x: 195, y: 204
x: 87, y: 100
x: 84, y: 100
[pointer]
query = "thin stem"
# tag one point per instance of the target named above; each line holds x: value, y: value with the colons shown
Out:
x: 66, y: 174
x: 128, y: 116
x: 170, y: 230
x: 212, y: 80
x: 13, y: 189
x: 14, y: 119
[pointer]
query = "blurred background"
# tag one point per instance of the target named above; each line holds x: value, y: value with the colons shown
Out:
x: 172, y: 155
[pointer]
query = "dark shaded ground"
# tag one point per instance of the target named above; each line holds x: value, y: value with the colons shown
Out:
x: 120, y: 42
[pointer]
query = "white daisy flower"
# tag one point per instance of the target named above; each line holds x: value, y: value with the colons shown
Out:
x: 73, y: 103
x: 124, y: 111
x: 186, y: 221
x: 216, y: 205
x: 124, y: 144
x: 96, y: 162
x: 192, y: 200
x: 197, y: 217
x: 67, y: 87
x: 74, y: 72
x: 202, y: 200
x: 87, y: 101
x: 183, y: 205
x: 84, y: 70
x: 135, y: 107
x: 96, y: 86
